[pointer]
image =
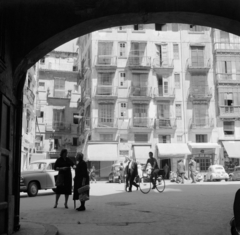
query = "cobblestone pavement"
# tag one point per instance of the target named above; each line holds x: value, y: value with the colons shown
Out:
x: 191, y: 209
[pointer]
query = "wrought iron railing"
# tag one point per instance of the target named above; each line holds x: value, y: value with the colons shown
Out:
x: 105, y: 122
x: 106, y: 60
x: 230, y: 110
x: 104, y: 90
x: 160, y: 91
x: 141, y: 122
x: 198, y: 64
x: 158, y: 63
x: 202, y: 91
x: 161, y: 123
x: 58, y: 126
x: 201, y: 122
x: 136, y: 60
x: 140, y: 91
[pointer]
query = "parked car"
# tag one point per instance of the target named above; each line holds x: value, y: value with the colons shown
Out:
x: 40, y: 175
x: 235, y: 175
x: 114, y: 175
x: 216, y: 172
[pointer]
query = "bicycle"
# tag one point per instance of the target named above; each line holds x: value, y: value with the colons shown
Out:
x: 146, y: 184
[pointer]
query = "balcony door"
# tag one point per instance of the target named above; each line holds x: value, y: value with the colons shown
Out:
x: 162, y: 55
x: 104, y: 84
x: 140, y: 115
x: 163, y: 114
x: 200, y: 115
x: 139, y: 84
x: 163, y: 88
x: 197, y: 56
x: 57, y: 118
x: 106, y: 115
x: 59, y: 87
x: 105, y: 50
x: 137, y: 52
x: 199, y: 84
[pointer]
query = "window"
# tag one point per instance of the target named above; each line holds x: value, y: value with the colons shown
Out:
x: 56, y: 144
x: 122, y: 79
x: 176, y: 51
x: 139, y: 85
x: 122, y: 110
x: 163, y: 110
x: 224, y: 37
x: 138, y: 27
x: 122, y: 49
x: 57, y: 117
x: 201, y: 139
x: 225, y: 69
x: 106, y: 115
x: 106, y: 137
x: 41, y: 85
x: 164, y: 139
x: 196, y: 28
x: 177, y: 81
x: 162, y: 55
x: 75, y: 141
x: 203, y: 163
x: 75, y: 68
x: 42, y: 61
x: 137, y: 52
x: 174, y: 27
x: 200, y: 115
x: 197, y: 56
x: 75, y: 119
x: 75, y: 88
x: 178, y: 111
x: 29, y: 81
x: 141, y: 137
x: 228, y: 128
x: 105, y: 50
x: 41, y: 114
x: 179, y: 138
x: 160, y: 27
x: 123, y: 152
x: 59, y: 87
x: 28, y: 121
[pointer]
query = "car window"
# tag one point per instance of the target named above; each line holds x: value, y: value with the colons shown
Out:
x: 50, y: 166
x: 37, y: 166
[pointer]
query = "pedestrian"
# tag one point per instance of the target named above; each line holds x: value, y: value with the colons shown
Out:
x: 166, y: 170
x: 121, y: 170
x: 64, y: 179
x: 181, y: 170
x: 192, y: 166
x: 131, y: 172
x: 140, y: 172
x: 93, y: 174
x: 81, y: 179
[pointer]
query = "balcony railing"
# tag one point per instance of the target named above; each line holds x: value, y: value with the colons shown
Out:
x: 105, y: 122
x: 198, y: 66
x: 165, y: 123
x: 140, y: 91
x: 141, y: 122
x: 103, y: 90
x: 228, y: 77
x: 30, y: 95
x: 139, y: 61
x: 199, y: 92
x: 59, y: 94
x: 164, y: 93
x: 230, y: 111
x: 163, y: 67
x: 106, y: 61
x: 199, y: 123
x: 58, y: 127
x: 227, y: 45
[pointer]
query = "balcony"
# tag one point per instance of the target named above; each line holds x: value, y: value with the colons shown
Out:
x: 201, y: 123
x: 105, y: 124
x: 198, y: 66
x: 165, y: 125
x: 140, y: 93
x: 141, y: 124
x: 58, y: 127
x: 164, y: 94
x: 106, y: 62
x: 139, y: 62
x: 199, y: 93
x: 229, y: 78
x: 232, y: 46
x: 162, y: 67
x: 30, y: 95
x: 106, y: 92
x: 230, y: 111
x: 60, y: 94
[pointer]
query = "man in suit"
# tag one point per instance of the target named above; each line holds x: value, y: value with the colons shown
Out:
x: 131, y: 173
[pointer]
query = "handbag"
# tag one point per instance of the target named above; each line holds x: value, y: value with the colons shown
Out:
x: 83, y: 191
x: 60, y: 180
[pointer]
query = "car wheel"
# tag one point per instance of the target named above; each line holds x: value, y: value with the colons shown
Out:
x: 32, y: 189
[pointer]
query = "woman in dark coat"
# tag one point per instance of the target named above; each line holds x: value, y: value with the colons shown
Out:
x: 63, y: 164
x: 80, y: 175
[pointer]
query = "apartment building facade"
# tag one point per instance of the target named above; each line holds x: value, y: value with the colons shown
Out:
x: 58, y: 93
x: 149, y: 88
x: 28, y: 117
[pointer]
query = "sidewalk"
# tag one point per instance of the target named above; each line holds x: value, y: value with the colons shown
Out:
x: 30, y: 228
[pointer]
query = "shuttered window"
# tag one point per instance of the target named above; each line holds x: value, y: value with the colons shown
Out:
x: 122, y: 79
x: 177, y: 81
x: 162, y: 55
x: 200, y: 114
x: 178, y: 111
x: 122, y: 49
x: 164, y: 139
x: 59, y: 87
x: 201, y: 139
x: 176, y: 51
x: 163, y: 110
x: 197, y: 56
x: 105, y: 78
x: 140, y: 110
x: 122, y: 110
x: 105, y: 52
x: 228, y: 127
x: 141, y: 137
x: 106, y: 113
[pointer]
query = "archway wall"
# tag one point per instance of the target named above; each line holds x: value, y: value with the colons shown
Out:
x: 38, y: 27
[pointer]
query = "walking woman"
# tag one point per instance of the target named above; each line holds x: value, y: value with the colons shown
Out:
x: 81, y: 179
x: 64, y: 186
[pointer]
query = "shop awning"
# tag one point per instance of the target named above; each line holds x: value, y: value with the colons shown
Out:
x: 204, y: 145
x: 232, y: 148
x: 173, y: 150
x: 141, y: 153
x: 102, y: 152
x: 58, y: 107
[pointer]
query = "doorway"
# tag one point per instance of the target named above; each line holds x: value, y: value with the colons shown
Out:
x: 163, y: 162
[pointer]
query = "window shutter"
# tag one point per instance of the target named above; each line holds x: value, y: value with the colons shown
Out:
x: 141, y: 137
x: 164, y: 55
x: 175, y: 51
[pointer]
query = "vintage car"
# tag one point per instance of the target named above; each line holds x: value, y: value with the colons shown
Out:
x: 40, y: 175
x: 235, y: 175
x: 216, y: 172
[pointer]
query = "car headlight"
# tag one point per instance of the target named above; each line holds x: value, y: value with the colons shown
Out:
x: 21, y: 179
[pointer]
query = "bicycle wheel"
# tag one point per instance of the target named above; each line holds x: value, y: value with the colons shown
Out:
x: 145, y: 185
x: 160, y: 184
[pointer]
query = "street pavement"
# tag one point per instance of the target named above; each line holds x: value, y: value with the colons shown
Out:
x: 190, y: 209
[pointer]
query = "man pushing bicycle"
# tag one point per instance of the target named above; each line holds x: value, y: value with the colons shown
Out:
x: 155, y: 169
